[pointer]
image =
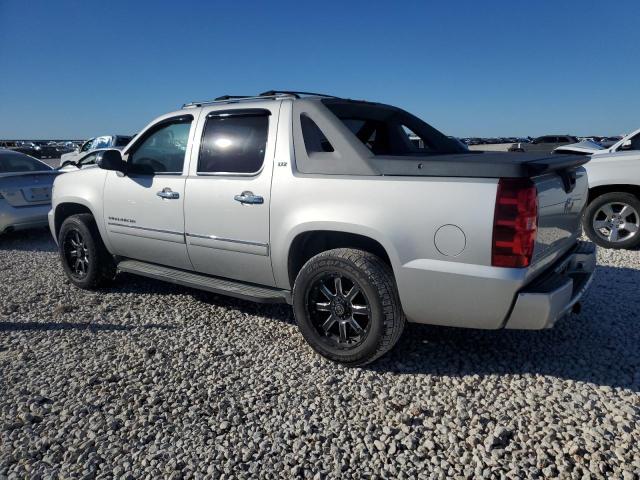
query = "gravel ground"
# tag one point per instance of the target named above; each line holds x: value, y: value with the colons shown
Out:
x: 152, y: 380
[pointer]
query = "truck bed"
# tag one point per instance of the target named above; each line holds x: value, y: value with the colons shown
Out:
x: 477, y: 165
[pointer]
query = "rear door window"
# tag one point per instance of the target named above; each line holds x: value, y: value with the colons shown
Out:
x: 234, y: 142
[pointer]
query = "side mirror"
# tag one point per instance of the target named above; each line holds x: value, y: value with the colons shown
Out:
x: 112, y: 160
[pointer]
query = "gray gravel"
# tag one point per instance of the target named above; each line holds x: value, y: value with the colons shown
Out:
x: 151, y: 380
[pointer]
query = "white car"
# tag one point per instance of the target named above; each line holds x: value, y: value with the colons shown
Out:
x: 587, y: 147
x: 105, y: 141
x: 88, y: 160
x: 612, y: 216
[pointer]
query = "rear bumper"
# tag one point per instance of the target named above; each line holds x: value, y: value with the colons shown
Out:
x: 18, y: 218
x: 549, y: 298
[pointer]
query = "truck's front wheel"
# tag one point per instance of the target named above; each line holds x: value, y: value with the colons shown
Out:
x: 347, y: 307
x: 85, y: 259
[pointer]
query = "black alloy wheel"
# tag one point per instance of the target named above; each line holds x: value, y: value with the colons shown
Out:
x: 76, y: 253
x: 339, y: 310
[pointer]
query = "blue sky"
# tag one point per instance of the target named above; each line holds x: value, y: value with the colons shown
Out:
x: 83, y: 68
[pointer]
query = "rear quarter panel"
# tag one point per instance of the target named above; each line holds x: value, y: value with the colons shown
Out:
x: 403, y: 214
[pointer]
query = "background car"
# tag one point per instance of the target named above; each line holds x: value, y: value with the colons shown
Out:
x: 612, y: 216
x: 26, y: 147
x: 91, y: 159
x: 105, y: 141
x: 65, y: 147
x: 47, y: 150
x: 25, y: 191
x: 544, y: 144
x: 583, y: 147
x: 607, y: 142
x: 630, y: 142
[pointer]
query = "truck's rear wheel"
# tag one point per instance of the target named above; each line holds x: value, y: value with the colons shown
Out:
x: 612, y: 220
x: 85, y: 260
x: 347, y: 307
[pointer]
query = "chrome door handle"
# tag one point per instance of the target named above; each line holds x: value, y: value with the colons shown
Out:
x: 249, y: 197
x: 167, y: 193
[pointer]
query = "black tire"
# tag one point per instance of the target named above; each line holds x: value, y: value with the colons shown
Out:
x: 593, y: 212
x: 384, y: 321
x: 100, y: 266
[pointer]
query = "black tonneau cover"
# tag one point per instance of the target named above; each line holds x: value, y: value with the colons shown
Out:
x: 478, y: 165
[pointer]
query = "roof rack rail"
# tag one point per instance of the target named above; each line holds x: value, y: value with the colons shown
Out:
x: 230, y: 97
x: 264, y: 95
x: 296, y: 94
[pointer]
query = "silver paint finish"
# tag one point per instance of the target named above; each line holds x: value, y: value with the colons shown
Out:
x: 212, y: 211
x: 535, y: 310
x: 559, y: 214
x: 450, y: 240
x: 251, y: 242
x: 620, y: 222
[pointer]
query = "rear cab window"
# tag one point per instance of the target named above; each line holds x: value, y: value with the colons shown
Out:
x: 389, y: 131
x: 314, y: 140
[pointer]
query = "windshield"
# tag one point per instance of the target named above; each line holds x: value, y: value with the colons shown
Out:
x: 122, y: 141
x: 387, y: 130
x: 14, y: 162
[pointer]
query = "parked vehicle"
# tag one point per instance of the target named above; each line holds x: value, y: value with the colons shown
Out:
x: 28, y: 148
x: 630, y: 142
x: 105, y: 141
x: 583, y: 147
x: 340, y: 215
x: 612, y: 217
x: 65, y: 147
x: 89, y: 160
x: 46, y: 150
x: 544, y: 144
x: 607, y: 142
x: 25, y: 191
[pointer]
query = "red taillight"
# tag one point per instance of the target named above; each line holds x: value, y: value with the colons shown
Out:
x: 515, y: 223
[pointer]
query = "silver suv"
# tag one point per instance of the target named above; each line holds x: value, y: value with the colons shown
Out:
x: 330, y: 204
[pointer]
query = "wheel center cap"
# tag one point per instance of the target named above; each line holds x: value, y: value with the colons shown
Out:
x: 339, y: 308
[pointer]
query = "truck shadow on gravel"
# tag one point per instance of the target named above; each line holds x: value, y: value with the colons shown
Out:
x: 36, y: 240
x: 128, y: 283
x: 601, y: 345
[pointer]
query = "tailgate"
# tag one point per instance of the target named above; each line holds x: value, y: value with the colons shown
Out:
x: 562, y: 196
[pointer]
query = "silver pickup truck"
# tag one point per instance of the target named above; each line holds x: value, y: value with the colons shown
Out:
x: 327, y: 204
